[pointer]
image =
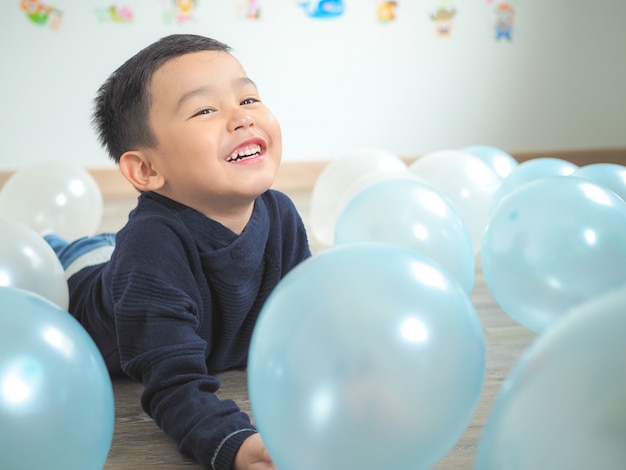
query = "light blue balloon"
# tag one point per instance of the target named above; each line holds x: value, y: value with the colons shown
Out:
x: 365, y: 356
x: 56, y: 397
x: 502, y: 162
x: 611, y: 175
x: 528, y: 171
x: 551, y: 244
x: 563, y: 406
x: 413, y: 214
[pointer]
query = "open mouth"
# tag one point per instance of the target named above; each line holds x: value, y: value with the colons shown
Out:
x: 245, y: 153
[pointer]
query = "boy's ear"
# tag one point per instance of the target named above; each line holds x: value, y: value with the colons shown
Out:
x: 138, y: 170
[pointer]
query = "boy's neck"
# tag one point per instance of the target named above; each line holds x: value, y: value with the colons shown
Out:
x: 235, y: 221
x: 234, y: 217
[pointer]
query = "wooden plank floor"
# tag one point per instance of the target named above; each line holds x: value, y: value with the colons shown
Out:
x: 139, y: 444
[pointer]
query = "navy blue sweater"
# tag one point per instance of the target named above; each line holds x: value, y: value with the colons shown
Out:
x: 178, y: 302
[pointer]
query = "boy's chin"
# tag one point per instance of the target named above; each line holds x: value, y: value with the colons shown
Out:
x: 261, y: 183
x: 258, y: 189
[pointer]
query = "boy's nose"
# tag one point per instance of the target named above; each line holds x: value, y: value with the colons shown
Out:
x: 241, y: 121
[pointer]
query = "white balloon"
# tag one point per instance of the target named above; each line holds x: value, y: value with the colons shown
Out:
x: 53, y: 196
x: 28, y: 262
x: 500, y: 161
x: 370, y: 179
x: 333, y: 184
x: 467, y: 181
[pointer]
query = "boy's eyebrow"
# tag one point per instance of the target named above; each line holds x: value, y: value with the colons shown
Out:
x: 208, y: 89
x: 243, y: 81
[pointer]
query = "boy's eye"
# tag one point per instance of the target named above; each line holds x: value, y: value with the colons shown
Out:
x: 204, y: 111
x: 250, y: 101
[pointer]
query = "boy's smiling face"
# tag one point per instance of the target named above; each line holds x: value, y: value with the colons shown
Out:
x: 218, y: 146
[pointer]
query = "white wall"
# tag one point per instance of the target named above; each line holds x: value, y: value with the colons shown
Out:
x: 344, y: 83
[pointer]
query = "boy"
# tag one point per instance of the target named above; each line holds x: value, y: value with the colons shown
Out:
x: 176, y: 299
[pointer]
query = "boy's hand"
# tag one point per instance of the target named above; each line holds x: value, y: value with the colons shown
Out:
x: 253, y: 455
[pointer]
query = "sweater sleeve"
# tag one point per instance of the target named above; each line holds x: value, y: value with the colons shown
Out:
x: 157, y: 323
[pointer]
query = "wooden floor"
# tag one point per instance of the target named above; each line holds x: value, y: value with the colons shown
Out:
x: 138, y: 444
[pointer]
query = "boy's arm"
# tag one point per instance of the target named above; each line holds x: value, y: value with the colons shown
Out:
x: 159, y: 346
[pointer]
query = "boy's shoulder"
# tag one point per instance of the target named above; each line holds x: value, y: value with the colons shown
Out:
x: 279, y: 198
x: 153, y: 217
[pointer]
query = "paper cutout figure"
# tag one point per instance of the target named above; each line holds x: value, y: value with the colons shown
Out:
x: 505, y: 19
x: 42, y: 14
x: 443, y: 18
x: 123, y: 15
x: 386, y: 12
x: 324, y: 8
x: 180, y: 11
x: 253, y: 10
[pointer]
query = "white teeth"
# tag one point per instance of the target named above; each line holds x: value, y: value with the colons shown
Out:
x: 244, y: 153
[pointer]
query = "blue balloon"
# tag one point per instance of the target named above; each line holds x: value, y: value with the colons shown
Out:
x: 502, y: 162
x: 611, y: 175
x: 551, y: 244
x: 413, y: 214
x: 365, y: 356
x: 56, y: 397
x: 563, y: 404
x: 528, y: 171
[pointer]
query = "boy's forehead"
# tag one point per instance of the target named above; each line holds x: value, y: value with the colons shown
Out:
x: 196, y: 66
x: 181, y: 75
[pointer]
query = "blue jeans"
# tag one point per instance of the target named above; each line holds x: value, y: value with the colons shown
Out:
x: 81, y: 253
